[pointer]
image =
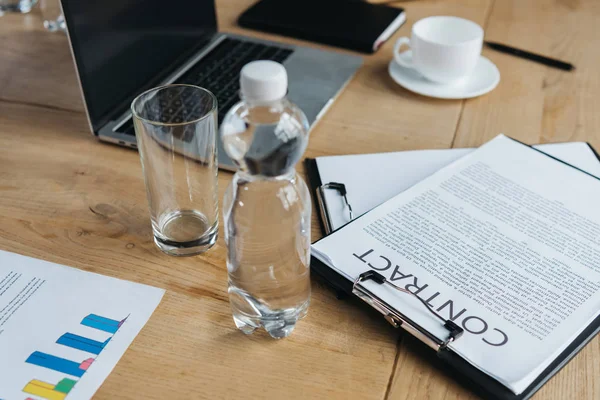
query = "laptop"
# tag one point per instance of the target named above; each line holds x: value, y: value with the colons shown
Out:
x: 124, y: 47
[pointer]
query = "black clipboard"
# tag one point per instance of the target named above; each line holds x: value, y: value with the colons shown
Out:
x: 445, y: 359
x: 459, y: 369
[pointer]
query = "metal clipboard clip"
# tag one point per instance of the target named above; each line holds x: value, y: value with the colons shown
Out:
x: 341, y: 188
x: 397, y: 319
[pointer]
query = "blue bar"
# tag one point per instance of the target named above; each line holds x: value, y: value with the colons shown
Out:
x: 101, y: 323
x: 82, y: 343
x: 55, y: 363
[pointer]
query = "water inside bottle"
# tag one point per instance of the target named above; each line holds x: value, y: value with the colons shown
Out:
x: 267, y: 215
x: 268, y: 236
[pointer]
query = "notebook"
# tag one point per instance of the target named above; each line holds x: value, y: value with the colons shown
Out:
x: 371, y: 179
x: 354, y: 25
x: 492, y: 261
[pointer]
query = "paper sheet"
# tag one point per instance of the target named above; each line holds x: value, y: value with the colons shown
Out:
x: 371, y: 179
x: 63, y: 330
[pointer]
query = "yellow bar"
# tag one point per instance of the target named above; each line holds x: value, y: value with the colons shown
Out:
x: 42, y: 384
x: 42, y: 389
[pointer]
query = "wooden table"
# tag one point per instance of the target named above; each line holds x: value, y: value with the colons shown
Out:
x: 66, y: 198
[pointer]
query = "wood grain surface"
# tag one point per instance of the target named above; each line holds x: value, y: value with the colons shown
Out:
x: 67, y: 198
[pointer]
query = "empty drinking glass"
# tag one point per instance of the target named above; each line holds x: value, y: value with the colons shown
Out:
x: 176, y: 127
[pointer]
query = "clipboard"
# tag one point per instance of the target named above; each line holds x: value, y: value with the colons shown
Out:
x: 453, y: 364
x: 442, y: 357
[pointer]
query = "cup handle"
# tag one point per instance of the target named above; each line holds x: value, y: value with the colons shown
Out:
x: 403, y: 61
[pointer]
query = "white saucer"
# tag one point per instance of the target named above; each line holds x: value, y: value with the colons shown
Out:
x: 483, y: 80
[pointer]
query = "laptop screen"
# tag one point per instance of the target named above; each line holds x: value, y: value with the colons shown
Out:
x: 123, y: 47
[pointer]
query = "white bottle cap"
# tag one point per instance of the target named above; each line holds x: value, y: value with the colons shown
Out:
x: 263, y: 81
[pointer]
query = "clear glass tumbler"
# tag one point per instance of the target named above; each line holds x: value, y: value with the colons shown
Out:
x: 176, y: 130
x: 18, y: 6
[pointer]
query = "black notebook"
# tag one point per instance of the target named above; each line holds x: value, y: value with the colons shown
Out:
x: 354, y: 25
x: 493, y: 262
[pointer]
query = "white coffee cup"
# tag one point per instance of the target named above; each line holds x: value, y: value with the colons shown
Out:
x: 444, y: 49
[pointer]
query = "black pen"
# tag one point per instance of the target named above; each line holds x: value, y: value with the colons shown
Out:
x: 550, y: 62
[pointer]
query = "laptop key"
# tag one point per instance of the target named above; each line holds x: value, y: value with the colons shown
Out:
x: 281, y: 55
x: 127, y: 128
x: 270, y: 53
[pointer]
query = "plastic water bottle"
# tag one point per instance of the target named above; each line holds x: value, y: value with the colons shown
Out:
x: 267, y: 207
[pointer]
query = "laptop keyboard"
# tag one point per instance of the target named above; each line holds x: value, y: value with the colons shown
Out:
x: 219, y: 72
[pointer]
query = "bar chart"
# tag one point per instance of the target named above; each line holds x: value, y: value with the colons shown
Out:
x: 74, y: 368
